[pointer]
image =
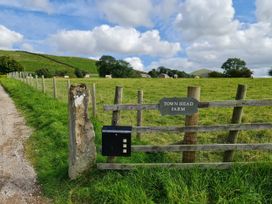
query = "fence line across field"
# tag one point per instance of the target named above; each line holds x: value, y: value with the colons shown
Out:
x: 189, y: 144
x: 40, y: 84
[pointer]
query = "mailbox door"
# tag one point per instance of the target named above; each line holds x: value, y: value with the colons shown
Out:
x: 116, y: 144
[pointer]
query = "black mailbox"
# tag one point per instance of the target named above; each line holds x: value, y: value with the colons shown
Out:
x: 116, y: 140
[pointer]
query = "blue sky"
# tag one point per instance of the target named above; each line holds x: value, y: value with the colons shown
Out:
x: 180, y: 34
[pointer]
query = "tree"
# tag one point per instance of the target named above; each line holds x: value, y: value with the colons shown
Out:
x: 105, y: 65
x: 215, y: 74
x: 270, y: 72
x: 153, y: 73
x: 43, y: 72
x: 7, y: 64
x: 61, y: 73
x: 108, y: 65
x: 80, y: 73
x: 235, y: 67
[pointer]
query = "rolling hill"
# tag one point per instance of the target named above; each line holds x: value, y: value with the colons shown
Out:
x: 34, y: 61
x: 201, y: 72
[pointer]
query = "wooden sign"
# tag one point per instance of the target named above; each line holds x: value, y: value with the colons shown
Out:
x: 178, y: 106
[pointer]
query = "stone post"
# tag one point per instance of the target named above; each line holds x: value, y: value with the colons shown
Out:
x: 82, y: 150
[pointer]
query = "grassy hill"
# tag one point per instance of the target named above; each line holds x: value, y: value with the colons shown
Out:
x: 34, y: 61
x: 201, y: 72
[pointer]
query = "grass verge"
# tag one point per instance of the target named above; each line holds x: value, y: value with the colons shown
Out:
x: 47, y: 148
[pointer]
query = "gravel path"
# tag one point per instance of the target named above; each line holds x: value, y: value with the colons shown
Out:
x: 17, y: 176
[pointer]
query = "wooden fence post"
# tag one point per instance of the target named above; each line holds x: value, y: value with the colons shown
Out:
x: 30, y: 80
x: 82, y: 150
x: 68, y: 84
x: 140, y: 96
x: 93, y: 95
x: 236, y: 118
x: 37, y: 82
x: 116, y: 114
x: 54, y: 88
x: 27, y: 79
x: 43, y: 84
x: 191, y: 120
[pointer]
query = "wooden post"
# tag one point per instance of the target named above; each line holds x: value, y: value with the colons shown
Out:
x: 68, y: 84
x: 93, y: 95
x: 116, y: 114
x: 37, y: 82
x: 82, y: 150
x: 27, y: 79
x: 43, y: 84
x: 191, y: 120
x: 236, y: 118
x: 140, y: 112
x: 30, y: 80
x: 54, y: 88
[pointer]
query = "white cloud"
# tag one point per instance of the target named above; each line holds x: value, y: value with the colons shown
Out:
x: 128, y: 13
x: 94, y: 58
x: 8, y: 38
x: 135, y: 62
x: 27, y: 47
x: 214, y: 35
x: 105, y: 39
x: 200, y: 18
x: 261, y: 72
x: 35, y: 5
x: 253, y: 45
x: 166, y: 8
x: 263, y: 10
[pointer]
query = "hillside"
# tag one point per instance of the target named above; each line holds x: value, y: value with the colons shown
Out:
x: 201, y: 72
x: 34, y: 61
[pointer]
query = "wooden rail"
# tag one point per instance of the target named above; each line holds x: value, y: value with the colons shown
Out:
x: 211, y: 104
x: 131, y: 166
x: 203, y: 147
x: 212, y: 128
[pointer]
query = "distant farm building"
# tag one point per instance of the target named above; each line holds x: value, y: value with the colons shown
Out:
x: 145, y: 75
x: 175, y: 76
x: 108, y: 76
x: 165, y: 76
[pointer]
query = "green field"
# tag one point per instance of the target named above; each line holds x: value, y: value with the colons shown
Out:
x: 33, y: 61
x: 211, y: 90
x: 47, y: 147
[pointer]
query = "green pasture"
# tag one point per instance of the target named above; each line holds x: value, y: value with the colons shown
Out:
x: 211, y: 90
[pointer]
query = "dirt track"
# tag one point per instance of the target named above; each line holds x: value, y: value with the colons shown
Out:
x: 17, y: 176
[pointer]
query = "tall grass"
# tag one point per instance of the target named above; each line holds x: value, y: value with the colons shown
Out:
x: 47, y: 148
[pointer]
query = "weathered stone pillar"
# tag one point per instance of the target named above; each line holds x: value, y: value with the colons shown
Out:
x: 82, y: 150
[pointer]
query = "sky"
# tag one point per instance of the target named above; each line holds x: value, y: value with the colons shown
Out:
x: 180, y: 34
